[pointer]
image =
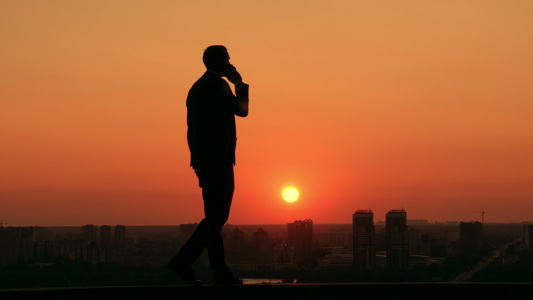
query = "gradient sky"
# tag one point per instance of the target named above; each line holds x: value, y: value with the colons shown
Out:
x: 422, y: 105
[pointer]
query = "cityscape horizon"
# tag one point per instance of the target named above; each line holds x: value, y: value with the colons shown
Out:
x: 481, y: 219
x: 395, y: 250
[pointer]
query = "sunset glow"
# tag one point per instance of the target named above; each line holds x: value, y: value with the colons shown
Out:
x: 419, y: 104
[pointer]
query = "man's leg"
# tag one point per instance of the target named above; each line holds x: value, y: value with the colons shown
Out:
x: 217, y: 184
x: 217, y: 203
x: 193, y: 248
x: 218, y: 195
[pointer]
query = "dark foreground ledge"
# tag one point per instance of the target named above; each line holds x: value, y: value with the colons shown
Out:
x: 424, y: 291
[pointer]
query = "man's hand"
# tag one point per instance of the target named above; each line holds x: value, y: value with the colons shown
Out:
x: 234, y: 76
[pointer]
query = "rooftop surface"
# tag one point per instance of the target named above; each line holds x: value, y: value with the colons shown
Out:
x: 395, y: 291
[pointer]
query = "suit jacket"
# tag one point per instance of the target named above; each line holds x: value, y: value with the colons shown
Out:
x: 211, y: 110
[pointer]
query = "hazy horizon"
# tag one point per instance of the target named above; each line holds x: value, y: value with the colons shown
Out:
x: 266, y: 224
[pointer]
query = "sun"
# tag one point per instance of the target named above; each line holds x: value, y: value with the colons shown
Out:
x: 290, y: 194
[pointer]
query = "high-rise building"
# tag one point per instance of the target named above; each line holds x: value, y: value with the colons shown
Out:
x: 89, y: 233
x: 397, y: 239
x: 236, y: 239
x: 105, y: 235
x: 260, y: 237
x: 364, y: 234
x: 8, y: 246
x: 528, y: 236
x: 300, y: 236
x: 262, y: 249
x: 120, y: 234
x: 470, y: 237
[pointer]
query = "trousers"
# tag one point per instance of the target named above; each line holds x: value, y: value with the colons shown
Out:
x: 218, y: 184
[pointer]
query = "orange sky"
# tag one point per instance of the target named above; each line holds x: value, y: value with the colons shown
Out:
x: 421, y: 105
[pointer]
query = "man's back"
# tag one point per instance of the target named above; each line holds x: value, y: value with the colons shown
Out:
x: 211, y: 133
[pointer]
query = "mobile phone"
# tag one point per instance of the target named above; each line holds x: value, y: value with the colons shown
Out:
x: 228, y: 66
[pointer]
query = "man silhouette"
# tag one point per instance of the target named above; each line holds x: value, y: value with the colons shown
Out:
x: 211, y: 135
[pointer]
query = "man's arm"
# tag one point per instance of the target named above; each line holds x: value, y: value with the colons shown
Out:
x: 241, y: 101
x: 241, y: 91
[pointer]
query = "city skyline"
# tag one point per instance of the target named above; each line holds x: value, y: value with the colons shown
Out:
x: 421, y: 105
x: 396, y: 247
x: 479, y: 216
x: 377, y: 220
x: 298, y: 251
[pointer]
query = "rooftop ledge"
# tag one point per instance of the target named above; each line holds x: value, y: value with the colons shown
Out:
x: 424, y: 291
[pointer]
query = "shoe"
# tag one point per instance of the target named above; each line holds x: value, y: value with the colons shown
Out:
x: 225, y: 278
x: 185, y: 272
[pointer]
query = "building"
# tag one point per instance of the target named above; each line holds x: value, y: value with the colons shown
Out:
x: 105, y: 236
x: 335, y: 239
x: 528, y: 236
x: 8, y: 246
x: 364, y: 243
x: 300, y: 236
x: 89, y: 233
x: 336, y: 261
x: 397, y: 236
x: 262, y: 249
x: 120, y: 234
x: 260, y: 238
x: 235, y: 239
x: 16, y: 244
x: 283, y: 257
x: 470, y: 238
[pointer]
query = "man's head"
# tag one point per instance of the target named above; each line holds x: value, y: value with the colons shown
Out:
x: 216, y: 58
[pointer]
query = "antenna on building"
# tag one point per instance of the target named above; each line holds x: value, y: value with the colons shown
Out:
x: 2, y: 224
x: 482, y: 212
